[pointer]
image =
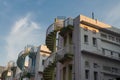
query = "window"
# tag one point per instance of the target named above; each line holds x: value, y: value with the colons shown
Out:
x: 111, y: 37
x: 70, y: 72
x: 86, y: 74
x: 64, y: 73
x: 115, y: 70
x: 119, y: 55
x: 118, y: 39
x: 103, y: 35
x: 95, y: 75
x: 95, y: 65
x: 107, y: 68
x: 70, y: 38
x: 43, y: 62
x: 111, y: 53
x: 86, y: 38
x: 94, y: 42
x: 87, y: 64
x: 65, y: 40
x: 103, y: 51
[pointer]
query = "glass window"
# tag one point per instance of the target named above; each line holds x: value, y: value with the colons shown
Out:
x: 103, y: 51
x: 94, y: 42
x: 111, y: 37
x: 103, y: 35
x: 87, y: 64
x: 65, y: 40
x: 86, y: 74
x: 118, y: 39
x: 43, y: 62
x: 70, y: 72
x: 119, y: 55
x: 111, y: 53
x: 70, y: 38
x: 64, y: 73
x: 86, y: 38
x: 95, y: 65
x: 95, y: 75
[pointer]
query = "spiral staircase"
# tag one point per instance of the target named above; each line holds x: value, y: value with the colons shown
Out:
x: 51, y: 38
x: 29, y: 51
x: 21, y: 58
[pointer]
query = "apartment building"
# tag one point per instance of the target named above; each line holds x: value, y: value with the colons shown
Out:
x: 82, y: 49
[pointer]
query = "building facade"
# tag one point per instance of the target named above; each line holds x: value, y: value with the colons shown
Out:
x: 82, y: 49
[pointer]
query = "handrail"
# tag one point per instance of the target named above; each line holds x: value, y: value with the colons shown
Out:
x: 65, y: 50
x: 54, y: 26
x: 60, y: 53
x: 50, y: 59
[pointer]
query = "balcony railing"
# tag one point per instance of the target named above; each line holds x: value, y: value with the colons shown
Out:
x: 49, y: 60
x: 104, y: 53
x: 111, y: 54
x: 66, y: 50
x: 68, y: 21
x: 54, y: 26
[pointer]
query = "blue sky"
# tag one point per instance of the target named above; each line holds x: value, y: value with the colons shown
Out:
x: 25, y: 22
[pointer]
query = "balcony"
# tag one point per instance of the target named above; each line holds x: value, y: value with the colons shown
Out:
x: 68, y: 27
x: 109, y: 54
x: 65, y: 54
x: 50, y: 60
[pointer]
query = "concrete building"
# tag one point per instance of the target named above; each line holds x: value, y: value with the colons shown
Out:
x: 82, y: 49
x: 30, y: 62
x: 42, y: 54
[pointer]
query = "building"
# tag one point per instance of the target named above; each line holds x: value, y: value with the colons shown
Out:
x: 1, y: 71
x: 30, y: 62
x: 82, y: 49
x: 8, y: 72
x: 42, y: 54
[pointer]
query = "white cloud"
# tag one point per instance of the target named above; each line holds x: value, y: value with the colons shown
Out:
x: 24, y: 31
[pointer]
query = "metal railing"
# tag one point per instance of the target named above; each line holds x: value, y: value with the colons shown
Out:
x: 66, y: 50
x: 54, y: 26
x: 50, y: 60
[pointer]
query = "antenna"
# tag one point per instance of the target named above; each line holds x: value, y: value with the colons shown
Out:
x: 92, y: 15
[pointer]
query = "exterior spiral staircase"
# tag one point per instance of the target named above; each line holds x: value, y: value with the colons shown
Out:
x: 51, y: 37
x: 29, y: 51
x: 52, y: 34
x: 21, y: 58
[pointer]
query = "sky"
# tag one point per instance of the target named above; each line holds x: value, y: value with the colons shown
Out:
x: 24, y: 22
